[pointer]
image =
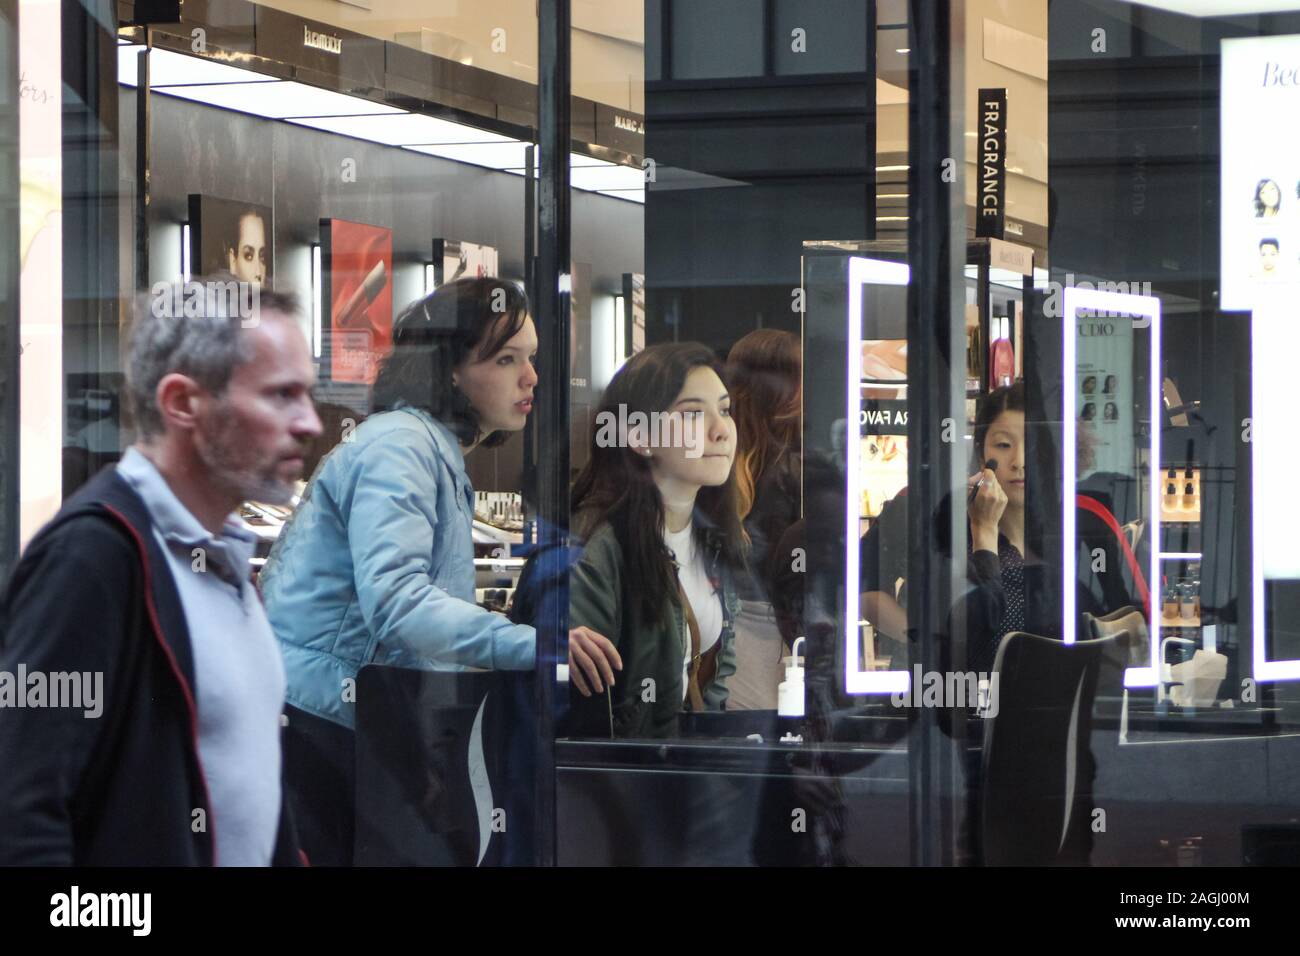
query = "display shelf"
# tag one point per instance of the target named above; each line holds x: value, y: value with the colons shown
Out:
x: 1180, y: 537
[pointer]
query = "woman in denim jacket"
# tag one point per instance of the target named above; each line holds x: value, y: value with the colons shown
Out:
x: 377, y: 563
x: 656, y: 504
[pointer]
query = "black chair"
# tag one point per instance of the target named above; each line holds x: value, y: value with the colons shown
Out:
x: 1037, y: 766
x: 444, y: 768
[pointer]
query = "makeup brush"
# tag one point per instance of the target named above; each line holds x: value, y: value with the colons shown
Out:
x: 353, y: 312
x: 991, y: 464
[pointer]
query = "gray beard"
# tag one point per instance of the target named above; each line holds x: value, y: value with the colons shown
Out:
x: 220, y: 456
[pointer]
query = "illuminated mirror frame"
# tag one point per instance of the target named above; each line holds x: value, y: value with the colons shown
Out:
x: 1275, y: 309
x: 1148, y: 308
x: 862, y: 272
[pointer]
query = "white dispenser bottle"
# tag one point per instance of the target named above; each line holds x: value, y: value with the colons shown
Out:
x: 789, y: 693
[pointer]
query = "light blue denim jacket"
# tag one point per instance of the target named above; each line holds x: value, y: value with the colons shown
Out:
x: 377, y: 565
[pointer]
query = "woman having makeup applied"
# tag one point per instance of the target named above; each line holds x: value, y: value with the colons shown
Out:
x: 1013, y: 587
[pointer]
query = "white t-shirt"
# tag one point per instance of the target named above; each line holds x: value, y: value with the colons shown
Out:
x: 705, y: 602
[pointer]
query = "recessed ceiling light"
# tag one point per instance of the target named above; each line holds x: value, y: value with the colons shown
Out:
x: 169, y: 69
x: 1222, y: 8
x: 403, y: 129
x: 282, y: 99
x: 226, y: 86
x: 607, y: 177
x: 499, y: 156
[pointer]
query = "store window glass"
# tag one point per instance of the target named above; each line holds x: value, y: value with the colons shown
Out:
x: 687, y: 432
x: 1011, y: 572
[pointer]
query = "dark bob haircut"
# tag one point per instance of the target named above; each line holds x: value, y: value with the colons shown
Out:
x: 433, y: 336
x: 1007, y: 398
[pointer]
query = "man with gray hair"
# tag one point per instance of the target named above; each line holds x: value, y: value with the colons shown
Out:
x: 143, y: 576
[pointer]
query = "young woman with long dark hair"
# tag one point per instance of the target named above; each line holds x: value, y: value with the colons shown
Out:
x: 656, y: 506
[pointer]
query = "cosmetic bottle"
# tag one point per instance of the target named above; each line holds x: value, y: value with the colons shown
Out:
x: 1169, y: 608
x: 1189, y: 496
x: 789, y: 693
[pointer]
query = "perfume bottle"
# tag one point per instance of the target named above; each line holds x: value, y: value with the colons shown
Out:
x: 1189, y: 496
x: 1186, y: 602
x: 1171, y: 496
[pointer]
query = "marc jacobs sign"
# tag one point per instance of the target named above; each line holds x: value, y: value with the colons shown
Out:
x: 629, y: 124
x: 322, y: 41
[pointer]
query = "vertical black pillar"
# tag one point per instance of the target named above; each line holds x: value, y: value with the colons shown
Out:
x: 91, y: 263
x: 869, y: 190
x: 530, y: 221
x: 936, y: 405
x: 530, y: 286
x: 142, y: 143
x: 553, y: 291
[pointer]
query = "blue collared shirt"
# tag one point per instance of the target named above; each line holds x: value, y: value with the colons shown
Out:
x: 238, y: 673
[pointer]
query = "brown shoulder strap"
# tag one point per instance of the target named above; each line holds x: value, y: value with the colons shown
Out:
x: 694, y: 696
x: 694, y: 680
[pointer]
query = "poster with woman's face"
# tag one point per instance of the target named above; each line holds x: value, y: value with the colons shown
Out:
x: 230, y: 236
x: 456, y: 259
x: 356, y: 278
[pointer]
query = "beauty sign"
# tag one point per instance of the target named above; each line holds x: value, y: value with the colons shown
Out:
x: 1260, y: 184
x: 1260, y: 235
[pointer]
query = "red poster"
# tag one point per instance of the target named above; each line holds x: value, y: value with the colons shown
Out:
x: 360, y: 264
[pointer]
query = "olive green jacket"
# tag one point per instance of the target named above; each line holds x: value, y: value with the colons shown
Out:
x: 646, y: 699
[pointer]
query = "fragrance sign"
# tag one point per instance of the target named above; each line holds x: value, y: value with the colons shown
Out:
x: 992, y: 163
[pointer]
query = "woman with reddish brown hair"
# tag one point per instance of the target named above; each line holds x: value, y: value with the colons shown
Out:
x: 765, y: 369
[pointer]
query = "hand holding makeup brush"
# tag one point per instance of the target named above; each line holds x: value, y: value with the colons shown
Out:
x: 985, y: 506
